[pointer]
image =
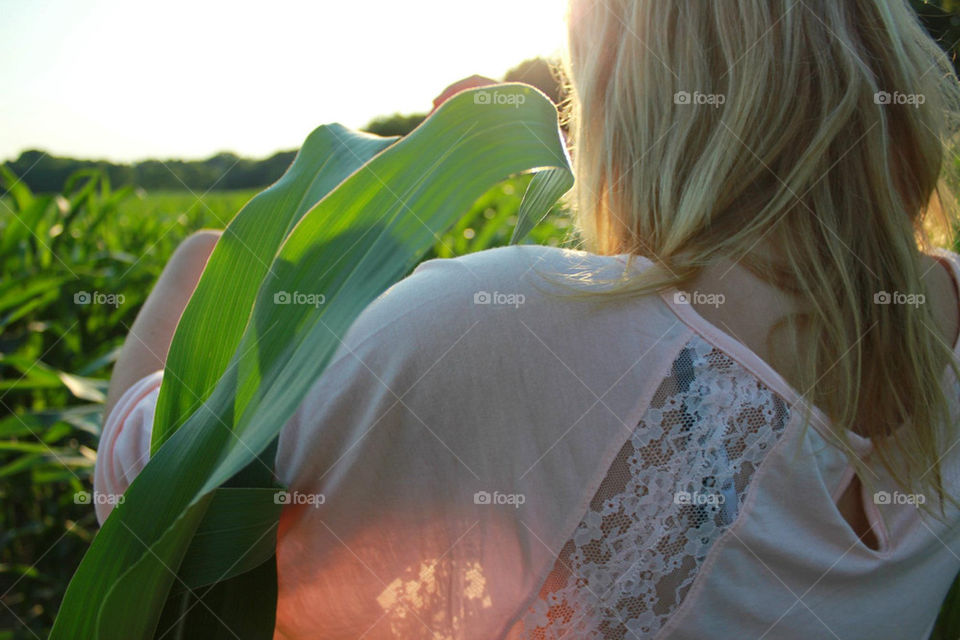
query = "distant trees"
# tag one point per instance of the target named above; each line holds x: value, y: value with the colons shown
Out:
x: 541, y: 73
x: 395, y: 125
x: 45, y: 173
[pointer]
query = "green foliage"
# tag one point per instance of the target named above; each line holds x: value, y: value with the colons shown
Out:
x: 46, y: 173
x: 56, y: 349
x: 941, y: 19
x: 395, y: 125
x: 350, y: 245
x: 948, y: 624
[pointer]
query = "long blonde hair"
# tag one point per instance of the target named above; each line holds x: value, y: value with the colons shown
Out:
x: 700, y: 129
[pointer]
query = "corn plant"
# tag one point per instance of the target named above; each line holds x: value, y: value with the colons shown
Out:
x: 352, y: 215
x: 76, y: 265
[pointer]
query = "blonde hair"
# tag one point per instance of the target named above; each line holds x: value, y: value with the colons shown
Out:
x: 700, y: 129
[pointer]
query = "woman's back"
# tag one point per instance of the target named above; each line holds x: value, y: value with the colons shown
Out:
x: 619, y: 469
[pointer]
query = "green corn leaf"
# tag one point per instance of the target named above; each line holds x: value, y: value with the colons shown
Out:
x: 186, y: 616
x: 17, y: 292
x: 248, y: 358
x: 218, y: 310
x: 545, y: 189
x: 81, y: 196
x: 24, y: 218
x: 92, y: 389
x: 236, y: 518
x: 948, y: 622
x: 108, y: 203
x: 16, y: 188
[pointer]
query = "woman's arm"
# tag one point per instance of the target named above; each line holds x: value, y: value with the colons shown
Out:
x: 146, y: 346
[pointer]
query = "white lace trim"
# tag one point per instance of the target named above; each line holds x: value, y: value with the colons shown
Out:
x: 674, y: 488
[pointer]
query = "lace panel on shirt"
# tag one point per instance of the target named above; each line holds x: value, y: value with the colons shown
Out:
x: 674, y: 488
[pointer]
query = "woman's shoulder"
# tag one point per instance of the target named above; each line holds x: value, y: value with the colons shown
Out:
x: 500, y: 327
x: 517, y: 261
x: 509, y: 285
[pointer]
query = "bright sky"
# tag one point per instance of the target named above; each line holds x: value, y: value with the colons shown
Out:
x: 126, y: 79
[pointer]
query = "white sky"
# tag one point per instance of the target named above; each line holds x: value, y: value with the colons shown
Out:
x: 129, y: 79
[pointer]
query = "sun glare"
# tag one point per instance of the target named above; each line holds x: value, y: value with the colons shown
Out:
x: 124, y: 80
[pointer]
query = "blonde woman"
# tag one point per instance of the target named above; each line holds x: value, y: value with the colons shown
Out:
x: 734, y: 416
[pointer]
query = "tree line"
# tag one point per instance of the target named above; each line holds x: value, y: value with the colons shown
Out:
x: 46, y: 173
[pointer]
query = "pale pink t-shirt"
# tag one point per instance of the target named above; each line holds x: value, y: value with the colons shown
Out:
x: 488, y: 457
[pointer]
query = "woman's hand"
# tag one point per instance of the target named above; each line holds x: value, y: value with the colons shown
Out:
x: 473, y: 82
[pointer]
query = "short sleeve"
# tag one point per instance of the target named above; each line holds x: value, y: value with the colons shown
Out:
x: 125, y: 443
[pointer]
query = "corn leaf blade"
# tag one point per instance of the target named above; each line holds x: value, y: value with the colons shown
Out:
x: 360, y: 238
